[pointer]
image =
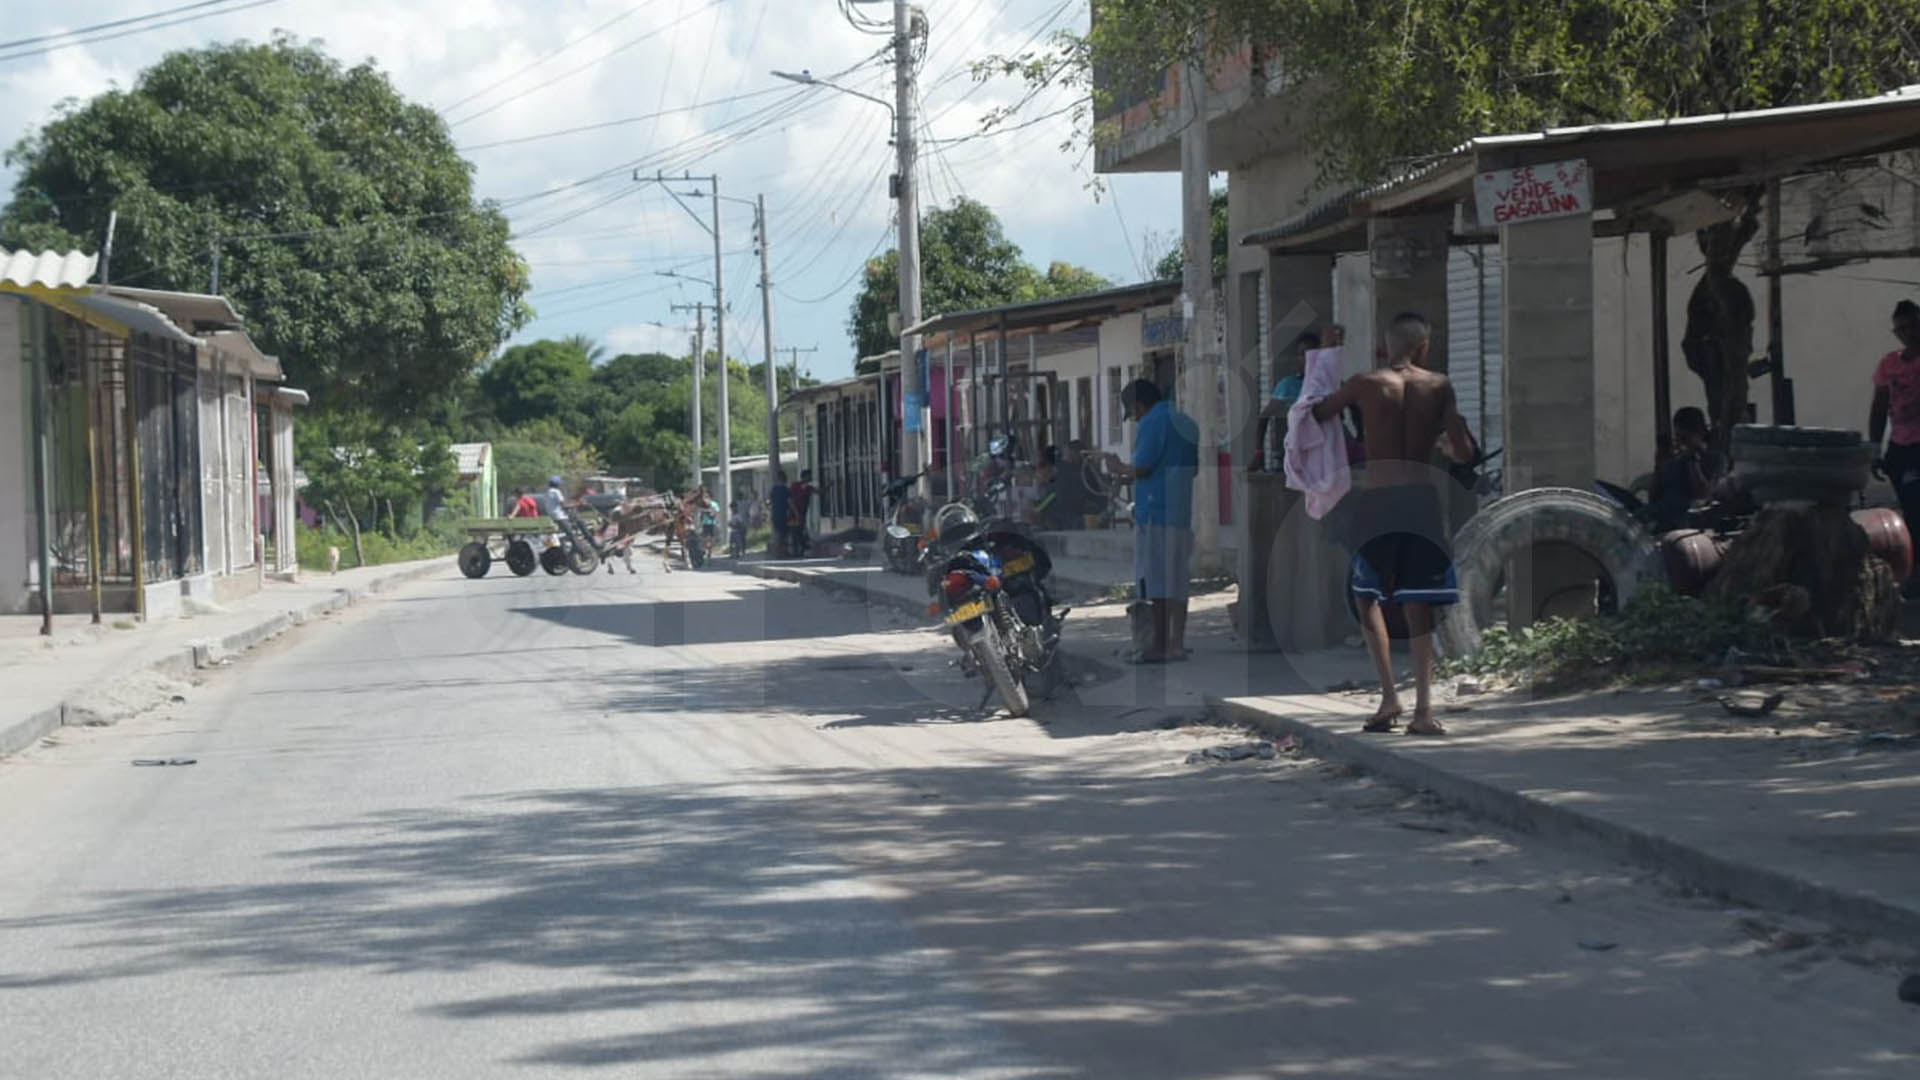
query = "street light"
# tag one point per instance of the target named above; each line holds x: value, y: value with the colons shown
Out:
x: 807, y: 78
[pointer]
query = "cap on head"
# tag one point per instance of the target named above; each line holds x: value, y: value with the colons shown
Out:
x: 554, y: 481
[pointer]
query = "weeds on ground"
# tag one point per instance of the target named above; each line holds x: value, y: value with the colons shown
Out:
x: 1659, y: 633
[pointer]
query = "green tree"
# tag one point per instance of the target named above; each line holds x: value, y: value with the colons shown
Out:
x: 346, y: 226
x: 365, y: 472
x: 1172, y: 265
x: 966, y: 262
x: 539, y: 380
x: 527, y: 455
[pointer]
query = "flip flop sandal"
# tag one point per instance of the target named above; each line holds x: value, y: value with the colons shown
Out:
x: 1380, y: 725
x: 1430, y: 729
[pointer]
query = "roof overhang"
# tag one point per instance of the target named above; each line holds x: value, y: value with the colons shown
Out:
x: 1645, y: 173
x: 33, y: 273
x: 239, y: 348
x: 1061, y: 313
x: 198, y: 312
x: 290, y: 396
x: 124, y: 318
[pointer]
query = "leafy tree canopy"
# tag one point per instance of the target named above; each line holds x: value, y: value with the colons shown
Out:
x: 1173, y: 264
x: 966, y: 262
x: 1387, y: 82
x: 546, y: 378
x: 348, y: 233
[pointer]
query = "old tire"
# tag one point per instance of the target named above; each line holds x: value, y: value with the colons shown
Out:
x: 554, y: 561
x: 987, y: 653
x: 475, y: 559
x: 521, y: 559
x: 1588, y: 522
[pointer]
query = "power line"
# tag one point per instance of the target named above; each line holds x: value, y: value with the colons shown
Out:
x: 616, y: 50
x: 696, y: 107
x: 483, y: 91
x: 859, y: 268
x: 96, y: 39
x: 16, y: 43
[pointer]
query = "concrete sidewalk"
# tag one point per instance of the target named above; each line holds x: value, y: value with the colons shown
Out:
x: 51, y: 681
x: 1797, y: 812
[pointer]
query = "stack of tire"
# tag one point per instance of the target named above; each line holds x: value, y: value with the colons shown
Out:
x: 1800, y: 465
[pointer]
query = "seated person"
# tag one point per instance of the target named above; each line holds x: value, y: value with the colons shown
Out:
x: 1689, y: 475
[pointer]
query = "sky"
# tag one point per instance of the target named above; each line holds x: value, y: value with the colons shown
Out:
x: 684, y: 86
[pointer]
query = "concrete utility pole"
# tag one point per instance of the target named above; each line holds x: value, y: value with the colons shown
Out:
x: 793, y: 362
x: 913, y: 390
x: 766, y: 332
x: 699, y: 309
x: 725, y: 492
x: 1200, y: 367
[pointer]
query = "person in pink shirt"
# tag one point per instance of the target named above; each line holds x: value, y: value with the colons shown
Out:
x: 1896, y: 398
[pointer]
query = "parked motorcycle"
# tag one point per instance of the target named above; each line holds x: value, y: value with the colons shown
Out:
x: 900, y: 540
x: 990, y: 591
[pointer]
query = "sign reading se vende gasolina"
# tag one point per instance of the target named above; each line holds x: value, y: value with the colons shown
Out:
x: 1533, y: 192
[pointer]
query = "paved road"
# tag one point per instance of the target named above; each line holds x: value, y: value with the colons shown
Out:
x: 694, y: 825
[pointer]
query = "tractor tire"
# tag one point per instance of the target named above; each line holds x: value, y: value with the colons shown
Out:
x: 554, y: 561
x: 475, y: 559
x: 582, y: 560
x: 1507, y: 527
x: 521, y: 559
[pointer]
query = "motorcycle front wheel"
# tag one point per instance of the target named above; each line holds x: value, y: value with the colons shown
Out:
x: 992, y: 658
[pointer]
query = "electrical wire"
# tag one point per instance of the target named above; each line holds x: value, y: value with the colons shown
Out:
x: 595, y: 62
x: 18, y: 42
x: 696, y: 107
x: 497, y: 84
x: 97, y: 38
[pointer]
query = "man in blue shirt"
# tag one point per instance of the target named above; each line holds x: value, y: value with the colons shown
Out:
x: 1166, y: 458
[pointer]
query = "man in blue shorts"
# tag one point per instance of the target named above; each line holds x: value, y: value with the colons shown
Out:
x: 1396, y: 521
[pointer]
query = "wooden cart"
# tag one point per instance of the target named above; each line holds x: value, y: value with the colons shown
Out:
x: 510, y: 540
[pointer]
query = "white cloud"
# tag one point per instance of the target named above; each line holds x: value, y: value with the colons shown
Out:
x: 822, y: 169
x: 646, y: 338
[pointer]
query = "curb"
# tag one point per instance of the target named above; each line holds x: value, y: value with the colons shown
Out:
x: 181, y: 663
x: 1696, y: 869
x: 798, y: 576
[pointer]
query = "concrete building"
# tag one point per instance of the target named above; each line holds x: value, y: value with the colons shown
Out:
x: 150, y: 422
x: 1557, y: 329
x: 474, y: 461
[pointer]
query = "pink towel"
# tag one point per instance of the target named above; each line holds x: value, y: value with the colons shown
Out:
x: 1316, y: 457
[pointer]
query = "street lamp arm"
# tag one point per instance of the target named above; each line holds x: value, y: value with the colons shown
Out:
x: 807, y: 78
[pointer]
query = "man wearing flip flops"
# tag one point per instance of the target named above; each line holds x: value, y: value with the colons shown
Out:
x: 1166, y: 458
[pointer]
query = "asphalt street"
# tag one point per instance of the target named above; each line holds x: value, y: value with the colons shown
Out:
x: 700, y: 825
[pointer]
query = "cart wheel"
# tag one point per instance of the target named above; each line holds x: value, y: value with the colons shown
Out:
x: 475, y: 559
x: 553, y: 561
x: 521, y: 559
x: 583, y: 560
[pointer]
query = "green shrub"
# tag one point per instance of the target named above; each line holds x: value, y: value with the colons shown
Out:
x: 380, y: 549
x: 1659, y: 631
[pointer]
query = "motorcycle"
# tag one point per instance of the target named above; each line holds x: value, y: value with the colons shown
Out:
x: 900, y: 540
x: 990, y: 592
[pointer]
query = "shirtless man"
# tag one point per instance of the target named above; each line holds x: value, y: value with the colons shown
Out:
x: 1402, y: 556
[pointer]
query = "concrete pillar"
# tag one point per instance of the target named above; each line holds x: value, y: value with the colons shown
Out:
x: 1409, y: 266
x: 16, y: 494
x: 1289, y: 581
x: 1547, y: 332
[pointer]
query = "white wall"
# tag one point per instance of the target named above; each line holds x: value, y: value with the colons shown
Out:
x: 16, y: 428
x: 1119, y: 348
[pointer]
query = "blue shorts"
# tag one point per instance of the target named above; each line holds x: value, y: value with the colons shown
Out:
x: 1400, y: 542
x: 1162, y: 561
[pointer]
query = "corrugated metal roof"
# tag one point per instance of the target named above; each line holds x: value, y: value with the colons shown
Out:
x: 1352, y: 207
x: 46, y: 269
x: 122, y: 316
x: 238, y: 346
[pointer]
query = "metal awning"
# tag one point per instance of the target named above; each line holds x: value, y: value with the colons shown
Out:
x: 1058, y: 313
x: 1636, y: 167
x: 287, y: 395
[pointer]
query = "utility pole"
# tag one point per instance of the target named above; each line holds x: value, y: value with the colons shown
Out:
x: 1199, y: 378
x: 699, y: 309
x: 719, y: 314
x: 720, y: 344
x: 766, y: 333
x: 913, y: 390
x: 793, y: 362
